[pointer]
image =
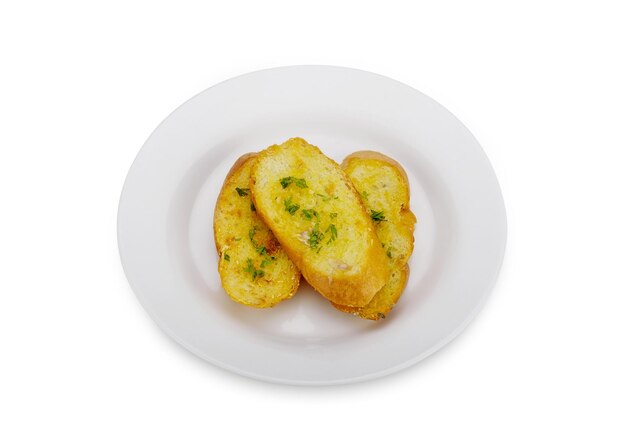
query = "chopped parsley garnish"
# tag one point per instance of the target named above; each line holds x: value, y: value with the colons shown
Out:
x: 381, y: 315
x: 364, y: 194
x: 377, y: 215
x: 242, y: 191
x: 327, y: 197
x: 253, y: 271
x: 333, y: 215
x: 286, y: 181
x: 258, y: 247
x: 251, y: 233
x: 290, y: 206
x: 226, y: 257
x: 261, y: 249
x: 252, y: 208
x: 315, y: 237
x: 308, y: 214
x: 389, y: 252
x: 333, y: 233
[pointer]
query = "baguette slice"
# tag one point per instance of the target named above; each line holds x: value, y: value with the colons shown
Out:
x: 384, y: 189
x: 253, y: 267
x: 316, y: 214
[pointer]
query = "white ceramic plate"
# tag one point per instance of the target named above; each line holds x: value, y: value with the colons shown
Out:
x: 166, y: 214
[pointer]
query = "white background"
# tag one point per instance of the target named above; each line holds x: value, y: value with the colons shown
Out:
x: 541, y: 84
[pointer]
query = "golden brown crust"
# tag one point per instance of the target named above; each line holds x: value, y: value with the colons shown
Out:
x: 354, y: 287
x: 238, y: 164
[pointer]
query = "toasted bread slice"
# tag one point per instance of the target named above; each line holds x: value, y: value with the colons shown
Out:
x: 316, y: 214
x: 253, y: 267
x: 384, y: 189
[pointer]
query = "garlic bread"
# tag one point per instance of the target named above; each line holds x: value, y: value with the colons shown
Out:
x: 315, y: 212
x: 384, y: 189
x: 253, y: 267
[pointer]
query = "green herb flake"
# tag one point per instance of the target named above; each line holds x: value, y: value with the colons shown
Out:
x: 286, y: 181
x: 364, y: 194
x: 389, y: 252
x: 333, y: 215
x: 243, y: 192
x: 327, y: 197
x: 250, y: 267
x: 308, y: 214
x: 226, y: 257
x: 255, y: 273
x: 252, y: 208
x: 265, y: 262
x: 377, y: 216
x: 290, y: 206
x: 333, y: 233
x: 258, y: 247
x: 315, y: 237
